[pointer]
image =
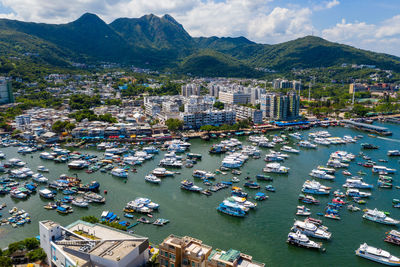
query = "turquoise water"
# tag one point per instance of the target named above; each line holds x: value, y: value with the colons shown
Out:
x: 262, y: 233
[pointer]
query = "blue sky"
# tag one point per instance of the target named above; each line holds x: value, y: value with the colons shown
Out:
x: 367, y: 24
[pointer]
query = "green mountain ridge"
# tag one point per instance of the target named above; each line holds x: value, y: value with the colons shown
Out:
x: 163, y: 43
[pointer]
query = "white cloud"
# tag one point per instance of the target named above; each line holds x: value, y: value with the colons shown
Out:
x: 326, y: 5
x: 382, y: 37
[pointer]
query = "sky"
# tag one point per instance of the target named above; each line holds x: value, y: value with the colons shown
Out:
x: 367, y: 24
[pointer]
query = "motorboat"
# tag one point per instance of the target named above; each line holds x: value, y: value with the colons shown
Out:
x: 119, y: 172
x: 80, y: 202
x: 78, y: 164
x: 379, y: 217
x: 151, y: 178
x: 314, y: 187
x: 357, y: 183
x: 377, y: 255
x: 303, y: 211
x: 46, y: 155
x: 393, y: 237
x: 393, y: 153
x: 162, y: 172
x: 187, y: 185
x: 290, y: 149
x: 302, y: 240
x: 321, y: 175
x: 38, y: 177
x: 310, y: 229
x: 231, y: 208
x: 308, y: 199
x: 307, y: 144
x: 383, y: 169
x: 203, y: 174
x: 42, y: 169
x: 353, y: 192
x: 326, y: 169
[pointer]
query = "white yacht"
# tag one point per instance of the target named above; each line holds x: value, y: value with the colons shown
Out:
x: 151, y: 178
x: 290, y: 149
x: 321, y: 174
x: 310, y: 229
x: 42, y: 169
x: 322, y: 141
x: 377, y: 255
x: 162, y: 172
x: 307, y: 144
x: 357, y: 183
x: 38, y: 177
x: 379, y: 217
x: 78, y: 164
x: 302, y: 240
x: 46, y: 155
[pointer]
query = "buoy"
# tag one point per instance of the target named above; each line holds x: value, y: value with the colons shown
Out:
x: 105, y: 191
x: 125, y: 181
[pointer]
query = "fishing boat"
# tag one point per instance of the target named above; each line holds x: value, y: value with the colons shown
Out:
x: 353, y: 192
x: 303, y: 211
x: 276, y: 168
x: 50, y: 206
x: 151, y: 178
x: 38, y: 177
x: 270, y: 188
x: 369, y: 146
x: 78, y: 164
x: 393, y: 237
x: 310, y: 229
x: 251, y: 185
x: 260, y: 196
x: 377, y: 255
x: 46, y: 193
x: 194, y: 156
x: 64, y: 209
x: 162, y: 172
x: 301, y: 240
x: 262, y: 177
x: 379, y: 217
x: 187, y: 185
x: 160, y: 222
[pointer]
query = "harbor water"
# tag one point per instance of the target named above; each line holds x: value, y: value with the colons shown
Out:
x: 263, y: 232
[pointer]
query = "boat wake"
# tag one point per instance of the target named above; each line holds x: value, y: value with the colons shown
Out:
x: 389, y: 139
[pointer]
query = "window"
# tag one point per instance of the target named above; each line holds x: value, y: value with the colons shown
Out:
x: 166, y: 254
x: 193, y: 264
x: 172, y: 265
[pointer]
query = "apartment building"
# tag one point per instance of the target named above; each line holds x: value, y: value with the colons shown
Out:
x: 243, y: 112
x: 234, y: 97
x: 277, y: 106
x: 210, y: 117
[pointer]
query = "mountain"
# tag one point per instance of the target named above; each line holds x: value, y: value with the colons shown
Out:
x: 163, y: 43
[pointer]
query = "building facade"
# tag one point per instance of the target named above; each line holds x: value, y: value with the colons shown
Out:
x: 277, y: 106
x: 210, y: 117
x: 233, y: 97
x: 6, y: 93
x: 190, y: 89
x: 243, y: 112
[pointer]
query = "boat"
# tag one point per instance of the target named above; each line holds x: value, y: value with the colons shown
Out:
x: 383, y: 170
x: 151, y: 178
x: 290, y: 149
x: 353, y: 192
x: 379, y: 217
x: 270, y: 188
x: 393, y: 153
x: 321, y: 175
x: 128, y: 215
x: 64, y: 209
x: 46, y: 155
x: 307, y: 144
x: 301, y: 240
x: 206, y: 192
x: 251, y: 185
x: 94, y: 197
x: 119, y: 172
x: 38, y: 177
x: 235, y: 180
x: 260, y: 196
x: 203, y: 174
x: 326, y: 169
x: 50, y: 206
x: 276, y: 168
x: 377, y: 255
x: 80, y: 202
x: 160, y: 222
x: 352, y: 208
x: 357, y: 183
x: 78, y: 164
x: 310, y: 229
x: 345, y: 172
x: 42, y: 169
x: 303, y: 211
x: 187, y: 185
x: 194, y: 156
x: 393, y: 237
x: 18, y: 194
x: 314, y: 187
x: 262, y: 177
x: 162, y: 172
x: 308, y: 199
x: 46, y: 193
x: 369, y: 146
x: 231, y: 208
x: 143, y: 220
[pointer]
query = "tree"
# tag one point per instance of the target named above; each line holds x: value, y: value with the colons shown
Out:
x: 90, y: 219
x: 37, y: 254
x: 360, y: 110
x: 59, y: 126
x: 174, y: 124
x: 5, y: 261
x: 31, y: 243
x: 219, y: 105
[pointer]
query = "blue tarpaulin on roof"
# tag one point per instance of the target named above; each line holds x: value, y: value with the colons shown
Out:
x: 278, y: 123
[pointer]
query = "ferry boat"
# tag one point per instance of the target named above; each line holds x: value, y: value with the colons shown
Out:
x: 377, y: 255
x: 151, y: 178
x: 321, y: 175
x: 393, y: 237
x: 379, y: 217
x: 187, y: 185
x: 307, y: 144
x: 119, y: 172
x: 353, y: 192
x: 162, y: 172
x: 393, y: 153
x: 232, y: 209
x: 78, y: 164
x: 276, y: 168
x: 357, y: 183
x: 301, y: 240
x: 290, y: 149
x: 310, y: 229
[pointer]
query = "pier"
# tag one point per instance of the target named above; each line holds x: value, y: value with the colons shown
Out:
x: 367, y: 127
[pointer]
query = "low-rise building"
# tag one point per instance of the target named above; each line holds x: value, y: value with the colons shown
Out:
x: 85, y: 244
x: 243, y: 112
x: 210, y: 117
x: 187, y: 251
x: 232, y: 97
